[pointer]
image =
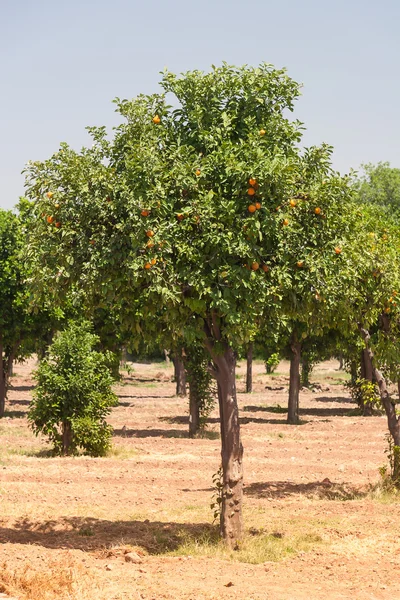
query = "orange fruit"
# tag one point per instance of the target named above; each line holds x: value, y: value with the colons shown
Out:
x: 293, y: 202
x: 387, y: 309
x: 258, y: 205
x: 278, y: 207
x: 252, y: 182
x: 262, y: 132
x: 58, y: 225
x: 92, y: 242
x: 285, y: 222
x: 150, y: 233
x: 265, y: 268
x: 156, y: 119
x: 252, y: 208
x: 338, y: 250
x: 300, y: 263
x: 147, y: 266
x: 255, y: 266
x: 317, y: 210
x: 145, y: 213
x: 198, y: 172
x: 49, y: 194
x: 57, y: 206
x: 251, y: 191
x: 50, y: 219
x: 153, y: 261
x: 150, y: 244
x: 180, y: 216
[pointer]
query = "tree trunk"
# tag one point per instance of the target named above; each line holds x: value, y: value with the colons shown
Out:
x: 306, y: 369
x: 341, y: 362
x: 180, y: 375
x: 231, y: 522
x: 166, y: 355
x: 66, y: 438
x: 390, y: 407
x: 194, y: 409
x: 294, y: 385
x: 367, y: 374
x: 2, y: 383
x: 249, y: 372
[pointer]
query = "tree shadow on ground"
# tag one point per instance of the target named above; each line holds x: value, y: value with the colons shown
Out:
x: 134, y: 379
x: 339, y: 399
x: 325, y: 489
x: 184, y: 420
x: 316, y: 412
x: 21, y: 388
x: 140, y: 397
x: 145, y: 433
x: 15, y: 414
x: 19, y: 402
x: 90, y: 534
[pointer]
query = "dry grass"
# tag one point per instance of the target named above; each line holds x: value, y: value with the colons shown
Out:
x: 61, y: 579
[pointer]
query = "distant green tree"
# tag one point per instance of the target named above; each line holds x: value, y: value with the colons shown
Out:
x: 380, y: 184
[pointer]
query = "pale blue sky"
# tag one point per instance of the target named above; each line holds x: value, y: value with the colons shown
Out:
x: 62, y: 62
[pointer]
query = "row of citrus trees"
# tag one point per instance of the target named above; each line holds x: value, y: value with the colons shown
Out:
x: 204, y: 224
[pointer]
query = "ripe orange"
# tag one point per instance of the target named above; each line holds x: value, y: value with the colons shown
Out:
x: 258, y: 205
x: 198, y: 172
x: 317, y: 210
x: 285, y: 222
x: 251, y: 208
x: 153, y: 261
x: 180, y: 216
x: 49, y: 194
x: 252, y: 182
x: 300, y: 263
x: 147, y: 266
x: 150, y: 244
x: 92, y: 242
x: 262, y: 132
x: 251, y: 191
x: 156, y: 119
x: 50, y: 219
x: 338, y: 250
x: 145, y: 213
x: 150, y: 233
x: 293, y: 202
x: 58, y: 225
x: 265, y: 268
x: 387, y: 309
x: 255, y: 266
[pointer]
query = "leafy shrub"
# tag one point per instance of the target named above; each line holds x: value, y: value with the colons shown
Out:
x: 272, y: 362
x: 73, y: 394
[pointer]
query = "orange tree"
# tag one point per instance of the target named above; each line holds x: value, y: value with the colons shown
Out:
x: 198, y: 213
x: 373, y: 310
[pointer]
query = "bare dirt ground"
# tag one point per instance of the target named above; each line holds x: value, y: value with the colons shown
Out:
x: 313, y: 528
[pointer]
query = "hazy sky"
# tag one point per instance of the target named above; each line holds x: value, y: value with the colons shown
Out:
x: 62, y: 62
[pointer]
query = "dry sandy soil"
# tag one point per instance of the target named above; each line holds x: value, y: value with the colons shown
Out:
x: 314, y: 528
